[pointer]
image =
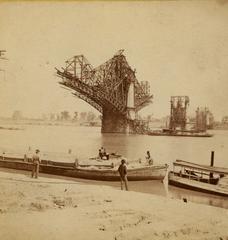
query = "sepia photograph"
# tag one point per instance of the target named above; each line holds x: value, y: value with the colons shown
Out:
x: 114, y: 120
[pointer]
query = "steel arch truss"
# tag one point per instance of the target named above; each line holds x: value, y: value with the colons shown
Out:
x: 106, y: 86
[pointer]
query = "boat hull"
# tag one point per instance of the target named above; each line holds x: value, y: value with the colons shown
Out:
x: 179, y: 135
x: 154, y: 172
x: 195, y: 185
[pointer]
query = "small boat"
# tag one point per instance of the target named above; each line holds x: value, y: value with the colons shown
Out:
x: 104, y: 172
x: 202, y: 178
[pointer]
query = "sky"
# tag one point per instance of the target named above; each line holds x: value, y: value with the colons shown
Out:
x: 180, y: 47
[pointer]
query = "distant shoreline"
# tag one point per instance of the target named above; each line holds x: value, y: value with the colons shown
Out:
x: 11, y: 122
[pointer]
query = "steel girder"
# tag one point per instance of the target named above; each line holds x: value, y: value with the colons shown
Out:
x: 105, y: 86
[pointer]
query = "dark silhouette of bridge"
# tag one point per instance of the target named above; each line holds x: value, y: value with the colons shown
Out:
x: 112, y: 88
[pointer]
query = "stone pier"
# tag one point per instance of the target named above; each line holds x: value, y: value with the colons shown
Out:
x: 113, y: 122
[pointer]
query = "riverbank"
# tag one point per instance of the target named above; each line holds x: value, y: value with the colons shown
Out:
x: 49, y: 208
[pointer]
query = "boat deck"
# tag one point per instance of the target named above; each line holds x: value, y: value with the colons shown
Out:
x: 223, y: 183
x: 220, y: 189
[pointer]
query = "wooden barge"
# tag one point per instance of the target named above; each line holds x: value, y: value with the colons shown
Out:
x: 165, y: 132
x: 93, y: 172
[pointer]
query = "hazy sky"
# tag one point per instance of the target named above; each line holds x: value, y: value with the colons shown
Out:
x: 180, y: 47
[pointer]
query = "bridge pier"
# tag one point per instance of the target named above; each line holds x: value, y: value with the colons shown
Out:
x: 113, y: 122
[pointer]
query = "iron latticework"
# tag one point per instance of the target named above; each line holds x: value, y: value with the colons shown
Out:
x: 204, y: 119
x: 112, y: 88
x: 178, y: 112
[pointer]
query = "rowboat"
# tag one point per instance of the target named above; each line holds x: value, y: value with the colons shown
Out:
x: 104, y: 172
x: 202, y: 178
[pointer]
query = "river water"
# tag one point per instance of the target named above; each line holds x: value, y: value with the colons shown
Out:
x: 84, y: 142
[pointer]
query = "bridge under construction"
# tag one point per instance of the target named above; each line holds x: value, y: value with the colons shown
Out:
x: 112, y: 88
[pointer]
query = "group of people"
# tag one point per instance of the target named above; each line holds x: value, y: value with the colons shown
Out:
x: 102, y: 154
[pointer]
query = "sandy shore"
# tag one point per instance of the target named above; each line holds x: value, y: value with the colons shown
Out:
x: 48, y: 208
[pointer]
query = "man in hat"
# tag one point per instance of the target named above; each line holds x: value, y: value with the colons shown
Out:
x: 36, y: 164
x: 123, y: 174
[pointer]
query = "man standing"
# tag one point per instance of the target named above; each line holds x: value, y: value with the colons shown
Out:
x: 148, y: 158
x: 123, y: 174
x: 36, y: 164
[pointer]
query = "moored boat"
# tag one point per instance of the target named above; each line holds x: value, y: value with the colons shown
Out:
x: 105, y: 172
x: 176, y: 133
x: 202, y: 178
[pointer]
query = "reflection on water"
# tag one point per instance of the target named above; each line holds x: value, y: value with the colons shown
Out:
x: 85, y: 142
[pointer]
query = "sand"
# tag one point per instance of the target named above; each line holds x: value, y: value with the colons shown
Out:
x: 49, y: 208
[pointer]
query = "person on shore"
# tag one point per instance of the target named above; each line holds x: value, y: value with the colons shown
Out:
x: 35, y: 164
x: 123, y: 174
